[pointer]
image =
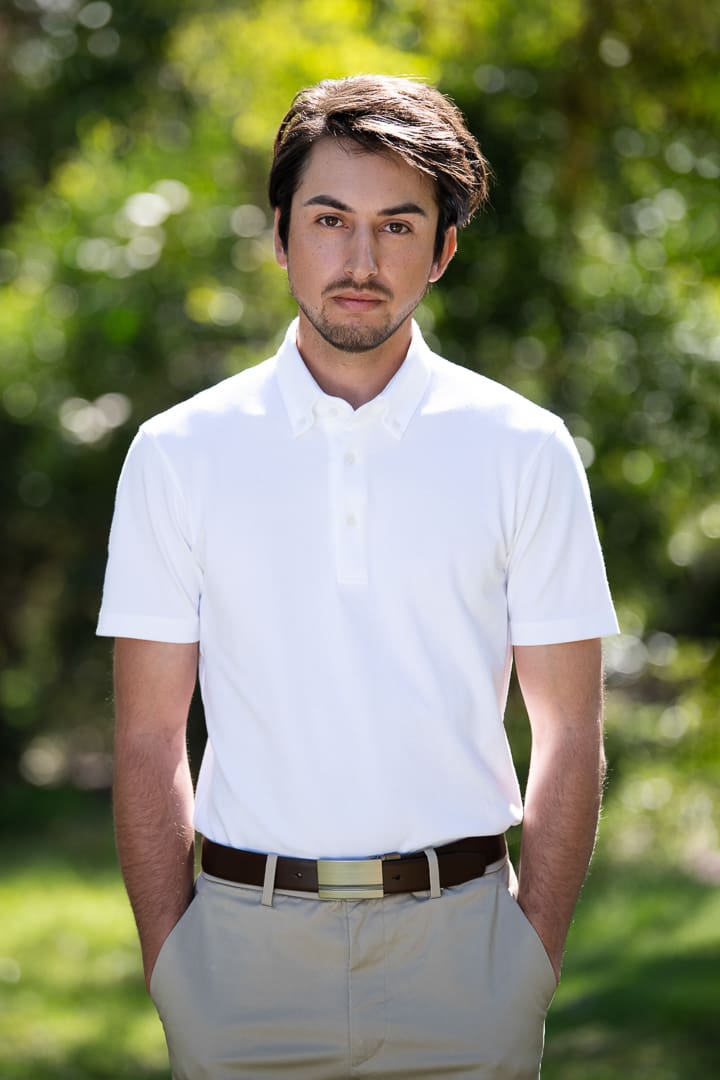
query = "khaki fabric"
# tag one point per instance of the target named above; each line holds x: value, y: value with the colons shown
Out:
x: 407, y: 986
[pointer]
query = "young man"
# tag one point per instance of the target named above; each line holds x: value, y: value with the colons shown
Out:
x: 355, y: 538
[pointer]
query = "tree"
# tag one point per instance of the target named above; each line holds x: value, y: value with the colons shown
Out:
x: 137, y: 267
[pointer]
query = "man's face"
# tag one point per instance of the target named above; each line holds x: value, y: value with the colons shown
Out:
x: 360, y: 251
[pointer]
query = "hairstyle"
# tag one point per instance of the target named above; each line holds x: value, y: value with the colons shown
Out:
x: 382, y: 113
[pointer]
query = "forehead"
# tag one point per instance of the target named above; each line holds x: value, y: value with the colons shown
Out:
x: 362, y: 178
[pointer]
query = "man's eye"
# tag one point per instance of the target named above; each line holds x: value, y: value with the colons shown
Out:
x: 330, y: 220
x: 397, y: 228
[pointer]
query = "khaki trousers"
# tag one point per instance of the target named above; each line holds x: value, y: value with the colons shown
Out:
x: 407, y: 986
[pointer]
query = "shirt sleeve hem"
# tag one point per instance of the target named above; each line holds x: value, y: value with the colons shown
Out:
x: 148, y: 628
x: 557, y: 632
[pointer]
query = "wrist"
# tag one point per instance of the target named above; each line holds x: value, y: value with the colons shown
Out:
x: 551, y: 933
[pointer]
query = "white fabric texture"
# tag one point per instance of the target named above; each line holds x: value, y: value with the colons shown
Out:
x: 356, y: 580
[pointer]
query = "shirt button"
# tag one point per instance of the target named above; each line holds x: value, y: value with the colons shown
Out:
x: 350, y: 458
x: 333, y: 411
x: 351, y: 521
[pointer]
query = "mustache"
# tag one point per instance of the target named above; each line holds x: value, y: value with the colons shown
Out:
x: 352, y: 286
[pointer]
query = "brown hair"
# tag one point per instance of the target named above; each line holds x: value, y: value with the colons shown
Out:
x: 383, y: 113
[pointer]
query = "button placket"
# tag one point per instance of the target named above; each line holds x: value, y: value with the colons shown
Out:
x: 348, y: 503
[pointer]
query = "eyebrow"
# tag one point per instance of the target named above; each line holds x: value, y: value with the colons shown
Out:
x: 389, y: 211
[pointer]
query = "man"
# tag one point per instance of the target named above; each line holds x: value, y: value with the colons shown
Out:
x: 353, y: 539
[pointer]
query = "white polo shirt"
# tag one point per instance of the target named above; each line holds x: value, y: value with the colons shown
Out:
x: 356, y: 580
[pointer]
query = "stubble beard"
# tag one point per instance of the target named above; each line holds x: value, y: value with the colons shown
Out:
x: 350, y: 339
x: 357, y: 338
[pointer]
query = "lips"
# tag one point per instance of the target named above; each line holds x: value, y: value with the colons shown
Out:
x: 363, y: 302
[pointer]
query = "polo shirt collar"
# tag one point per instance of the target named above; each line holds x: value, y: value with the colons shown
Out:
x: 395, y: 405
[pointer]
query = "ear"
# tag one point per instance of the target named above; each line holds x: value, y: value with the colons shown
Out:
x: 449, y: 248
x: 280, y: 252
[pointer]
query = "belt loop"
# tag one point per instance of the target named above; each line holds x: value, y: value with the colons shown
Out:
x: 269, y: 881
x: 435, y: 890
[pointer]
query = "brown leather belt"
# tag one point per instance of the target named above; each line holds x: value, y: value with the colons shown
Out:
x: 354, y: 879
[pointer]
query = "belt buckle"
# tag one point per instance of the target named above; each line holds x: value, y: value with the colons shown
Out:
x: 350, y: 879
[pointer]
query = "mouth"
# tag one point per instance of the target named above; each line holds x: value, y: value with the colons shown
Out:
x: 357, y: 302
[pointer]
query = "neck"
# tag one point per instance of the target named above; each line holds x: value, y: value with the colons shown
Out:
x: 356, y: 377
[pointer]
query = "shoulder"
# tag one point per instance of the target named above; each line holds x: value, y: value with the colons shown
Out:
x: 206, y: 415
x: 491, y: 408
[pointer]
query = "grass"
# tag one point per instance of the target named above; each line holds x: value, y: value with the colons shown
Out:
x: 73, y: 1001
x: 639, y: 997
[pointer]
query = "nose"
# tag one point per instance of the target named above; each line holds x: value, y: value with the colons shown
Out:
x: 361, y: 261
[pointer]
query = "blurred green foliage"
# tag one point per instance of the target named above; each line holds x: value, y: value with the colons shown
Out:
x: 136, y: 268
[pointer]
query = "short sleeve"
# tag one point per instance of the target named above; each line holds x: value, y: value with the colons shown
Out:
x: 557, y: 587
x: 153, y: 580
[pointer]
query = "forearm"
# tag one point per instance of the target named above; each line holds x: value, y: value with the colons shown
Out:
x: 153, y: 795
x: 562, y: 806
x: 153, y: 803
